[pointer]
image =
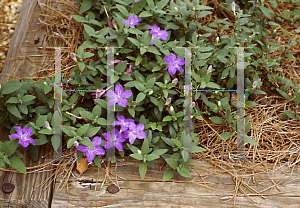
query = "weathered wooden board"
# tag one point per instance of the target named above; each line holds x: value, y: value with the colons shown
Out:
x: 152, y: 192
x: 24, y: 59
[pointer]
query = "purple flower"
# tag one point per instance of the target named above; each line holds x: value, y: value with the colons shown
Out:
x: 132, y: 21
x: 118, y: 96
x: 91, y: 152
x: 117, y: 141
x: 174, y: 63
x: 129, y: 70
x: 193, y: 104
x: 47, y: 125
x: 124, y: 123
x: 168, y: 101
x: 233, y: 7
x: 157, y: 33
x: 135, y: 131
x: 136, y: 0
x: 23, y: 136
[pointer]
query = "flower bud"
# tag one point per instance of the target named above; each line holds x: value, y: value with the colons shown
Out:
x: 114, y: 23
x: 254, y: 84
x: 168, y: 101
x: 151, y: 92
x: 139, y: 152
x: 75, y: 144
x: 233, y: 7
x: 219, y: 103
x: 193, y: 104
x: 47, y: 125
x: 45, y: 83
x: 175, y: 80
x: 217, y: 39
x: 176, y: 9
x: 166, y: 81
x: 73, y: 56
x: 171, y: 109
x: 209, y: 70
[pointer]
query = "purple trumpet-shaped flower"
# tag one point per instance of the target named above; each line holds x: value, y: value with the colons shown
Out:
x: 118, y: 96
x: 168, y: 101
x: 174, y: 63
x: 117, y: 141
x: 124, y: 123
x: 233, y: 7
x: 91, y: 152
x: 135, y: 131
x: 157, y: 33
x: 132, y: 21
x: 254, y: 84
x: 23, y: 136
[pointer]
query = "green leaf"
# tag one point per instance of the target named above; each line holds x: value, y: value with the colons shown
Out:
x: 92, y: 131
x: 282, y: 93
x: 41, y: 121
x: 87, y: 55
x: 66, y: 130
x: 150, y: 3
x: 87, y: 115
x: 13, y: 110
x: 153, y: 49
x: 101, y: 121
x: 289, y: 113
x: 212, y: 85
x: 28, y: 98
x: 266, y: 11
x: 250, y: 141
x: 47, y: 89
x: 145, y: 14
x: 71, y: 142
x: 87, y: 142
x: 167, y: 118
x: 159, y: 151
x: 82, y: 129
x: 55, y: 140
x: 13, y: 100
x: 138, y: 60
x: 121, y: 66
x: 134, y: 41
x: 196, y: 149
x: 251, y: 103
x: 183, y: 171
x: 168, y: 141
x: 225, y: 135
x: 86, y: 5
x: 154, y: 101
x: 40, y: 141
x: 161, y: 4
x: 140, y: 97
x: 172, y: 162
x: 145, y: 147
x: 136, y: 156
x: 135, y: 31
x: 168, y: 174
x: 216, y: 119
x: 123, y: 10
x: 297, y: 99
x: 97, y: 161
x: 138, y: 6
x: 177, y: 142
x: 11, y: 86
x: 17, y: 164
x: 143, y: 170
x: 34, y: 152
x: 202, y: 7
x: 134, y: 149
x: 131, y: 111
x: 152, y: 157
x: 79, y: 155
x: 11, y: 146
x: 46, y: 131
x: 290, y: 56
x: 23, y: 108
x: 1, y: 163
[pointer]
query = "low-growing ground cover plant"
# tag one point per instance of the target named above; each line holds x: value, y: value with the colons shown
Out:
x: 148, y: 96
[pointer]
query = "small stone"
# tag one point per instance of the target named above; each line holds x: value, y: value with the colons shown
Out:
x: 8, y: 187
x: 113, y: 189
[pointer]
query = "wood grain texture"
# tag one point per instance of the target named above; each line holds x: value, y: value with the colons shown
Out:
x: 152, y: 192
x: 26, y: 192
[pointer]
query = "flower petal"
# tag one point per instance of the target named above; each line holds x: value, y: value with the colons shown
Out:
x: 90, y: 156
x: 180, y: 61
x: 124, y: 22
x: 19, y: 130
x: 15, y: 136
x: 97, y: 141
x: 110, y: 94
x: 28, y: 131
x: 123, y: 102
x: 127, y: 94
x: 140, y: 127
x: 142, y: 135
x: 119, y: 90
x: 24, y: 143
x: 111, y: 102
x: 99, y: 150
x: 172, y: 57
x: 172, y: 70
x: 82, y: 148
x: 162, y: 35
x: 119, y: 146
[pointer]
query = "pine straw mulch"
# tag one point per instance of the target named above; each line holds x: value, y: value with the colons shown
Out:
x: 278, y: 139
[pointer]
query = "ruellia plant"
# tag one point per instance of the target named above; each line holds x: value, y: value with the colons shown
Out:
x: 149, y: 39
